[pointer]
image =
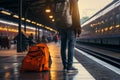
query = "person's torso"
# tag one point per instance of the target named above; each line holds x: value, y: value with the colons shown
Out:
x: 63, y: 17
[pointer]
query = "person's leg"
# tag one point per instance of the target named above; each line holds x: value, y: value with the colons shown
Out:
x: 71, y: 45
x: 63, y: 48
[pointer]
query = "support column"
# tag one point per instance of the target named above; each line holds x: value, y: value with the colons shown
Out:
x: 26, y: 12
x: 19, y: 40
x: 38, y: 36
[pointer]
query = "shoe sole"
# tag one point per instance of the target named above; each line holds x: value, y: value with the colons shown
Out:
x: 72, y: 71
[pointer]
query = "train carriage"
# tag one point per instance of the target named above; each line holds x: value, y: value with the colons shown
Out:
x: 103, y: 27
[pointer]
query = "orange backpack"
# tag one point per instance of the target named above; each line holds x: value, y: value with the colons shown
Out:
x: 37, y: 59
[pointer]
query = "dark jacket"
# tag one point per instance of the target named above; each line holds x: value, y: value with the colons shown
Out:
x: 75, y: 16
x: 67, y: 16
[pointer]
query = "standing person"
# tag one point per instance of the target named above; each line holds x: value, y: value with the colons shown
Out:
x: 24, y: 42
x: 30, y: 40
x: 56, y: 38
x: 0, y: 40
x: 44, y: 39
x: 68, y: 23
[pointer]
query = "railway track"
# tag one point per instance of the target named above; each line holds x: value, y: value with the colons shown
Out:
x: 115, y: 61
x: 113, y: 48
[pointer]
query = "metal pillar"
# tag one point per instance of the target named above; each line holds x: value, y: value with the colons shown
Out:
x: 26, y: 12
x: 25, y: 25
x: 38, y: 35
x: 19, y: 40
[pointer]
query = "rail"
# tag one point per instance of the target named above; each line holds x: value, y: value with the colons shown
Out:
x: 107, y: 58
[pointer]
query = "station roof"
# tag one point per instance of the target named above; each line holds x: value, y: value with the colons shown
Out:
x: 34, y: 9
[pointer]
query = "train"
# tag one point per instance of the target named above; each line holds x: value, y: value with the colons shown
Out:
x: 10, y: 29
x: 103, y: 27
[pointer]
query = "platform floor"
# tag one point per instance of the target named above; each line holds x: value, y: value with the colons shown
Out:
x: 10, y: 62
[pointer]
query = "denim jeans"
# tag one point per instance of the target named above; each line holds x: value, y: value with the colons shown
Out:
x: 68, y: 41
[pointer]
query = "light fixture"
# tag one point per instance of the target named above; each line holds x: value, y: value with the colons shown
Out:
x: 47, y: 10
x: 27, y: 20
x: 6, y: 12
x: 53, y: 20
x: 22, y: 18
x: 50, y: 16
x: 33, y: 22
x: 15, y: 16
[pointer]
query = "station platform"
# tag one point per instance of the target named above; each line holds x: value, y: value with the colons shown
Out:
x: 10, y: 62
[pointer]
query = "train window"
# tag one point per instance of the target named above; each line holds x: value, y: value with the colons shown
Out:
x: 102, y: 21
x: 117, y: 20
x: 106, y: 23
x: 106, y: 20
x: 117, y: 16
x: 111, y: 21
x: 111, y: 18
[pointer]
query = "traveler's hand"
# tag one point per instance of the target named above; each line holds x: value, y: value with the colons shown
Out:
x: 78, y: 32
x: 77, y: 35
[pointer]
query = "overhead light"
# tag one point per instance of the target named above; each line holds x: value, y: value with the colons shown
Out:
x: 53, y: 20
x: 28, y: 20
x: 51, y: 16
x: 40, y: 24
x: 22, y: 18
x: 6, y: 12
x: 15, y: 16
x: 47, y: 10
x: 33, y: 22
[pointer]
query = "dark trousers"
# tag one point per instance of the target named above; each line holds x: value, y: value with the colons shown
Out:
x: 68, y: 41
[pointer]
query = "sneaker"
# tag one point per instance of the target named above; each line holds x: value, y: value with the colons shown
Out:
x: 72, y: 69
x: 64, y: 69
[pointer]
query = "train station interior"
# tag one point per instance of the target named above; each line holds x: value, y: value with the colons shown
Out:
x: 96, y: 51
